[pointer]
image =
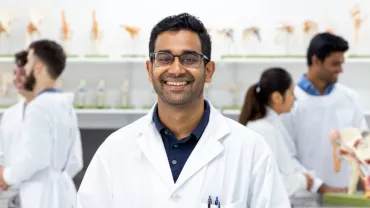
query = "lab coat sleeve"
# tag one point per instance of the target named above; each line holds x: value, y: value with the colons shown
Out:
x: 266, y: 188
x: 95, y: 190
x: 75, y: 160
x: 289, y: 124
x: 35, y: 147
x: 360, y: 119
x: 294, y: 182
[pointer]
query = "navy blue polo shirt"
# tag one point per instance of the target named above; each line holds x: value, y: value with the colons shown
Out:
x: 178, y: 151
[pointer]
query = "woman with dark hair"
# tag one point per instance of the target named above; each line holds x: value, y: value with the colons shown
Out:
x: 264, y: 102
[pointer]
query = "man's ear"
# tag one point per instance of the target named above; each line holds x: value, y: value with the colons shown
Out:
x: 209, y: 71
x: 149, y: 69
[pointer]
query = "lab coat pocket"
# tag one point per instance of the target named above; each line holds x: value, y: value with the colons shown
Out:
x: 345, y: 118
x: 237, y: 204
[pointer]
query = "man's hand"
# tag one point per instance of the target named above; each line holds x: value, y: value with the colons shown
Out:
x: 3, y: 185
x: 309, y: 181
x: 327, y: 189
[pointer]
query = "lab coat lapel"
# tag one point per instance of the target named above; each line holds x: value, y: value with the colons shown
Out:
x: 207, y: 149
x: 151, y: 144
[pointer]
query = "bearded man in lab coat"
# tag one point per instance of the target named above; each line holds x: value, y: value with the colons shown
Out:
x: 184, y: 152
x: 49, y: 149
x: 10, y: 126
x: 322, y: 105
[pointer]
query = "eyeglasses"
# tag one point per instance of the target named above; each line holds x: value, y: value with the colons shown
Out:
x: 190, y: 60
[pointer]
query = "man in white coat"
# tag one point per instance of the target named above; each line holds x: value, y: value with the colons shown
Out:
x: 321, y: 105
x: 49, y: 151
x: 183, y: 153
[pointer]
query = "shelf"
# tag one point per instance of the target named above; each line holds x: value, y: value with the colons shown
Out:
x: 117, y: 118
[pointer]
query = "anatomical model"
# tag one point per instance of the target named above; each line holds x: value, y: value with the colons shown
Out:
x: 134, y: 32
x: 357, y: 19
x: 96, y: 34
x: 100, y: 93
x: 82, y: 93
x: 65, y: 33
x: 330, y: 30
x: 125, y: 90
x: 6, y: 21
x: 234, y: 89
x: 6, y: 81
x: 285, y: 30
x: 33, y: 27
x: 310, y: 28
x: 251, y: 31
x: 228, y: 34
x: 353, y: 145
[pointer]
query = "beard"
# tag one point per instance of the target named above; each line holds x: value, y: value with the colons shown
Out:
x: 193, y: 91
x: 30, y: 82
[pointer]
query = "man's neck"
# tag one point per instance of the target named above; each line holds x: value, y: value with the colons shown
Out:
x: 42, y: 86
x: 181, y: 120
x: 317, y: 83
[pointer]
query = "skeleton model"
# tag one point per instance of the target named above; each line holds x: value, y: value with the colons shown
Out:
x: 6, y: 21
x: 354, y: 146
x: 309, y: 28
x: 65, y: 33
x: 33, y: 26
x: 285, y: 30
x: 100, y: 94
x: 133, y: 31
x: 251, y: 31
x: 81, y: 93
x: 96, y: 34
x: 357, y: 19
x: 125, y: 90
x: 6, y: 81
x: 234, y: 89
x: 228, y: 34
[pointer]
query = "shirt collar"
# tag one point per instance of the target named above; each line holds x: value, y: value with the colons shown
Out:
x: 307, y: 86
x: 197, y: 132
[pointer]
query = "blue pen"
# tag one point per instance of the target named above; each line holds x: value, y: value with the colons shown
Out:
x: 216, y: 201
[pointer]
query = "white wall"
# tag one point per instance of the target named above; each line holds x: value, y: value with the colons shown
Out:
x: 238, y: 14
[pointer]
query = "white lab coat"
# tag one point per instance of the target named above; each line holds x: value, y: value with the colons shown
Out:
x: 48, y: 155
x: 273, y: 131
x: 10, y: 128
x: 130, y: 170
x: 310, y: 123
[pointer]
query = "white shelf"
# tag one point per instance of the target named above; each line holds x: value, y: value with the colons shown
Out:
x: 117, y: 118
x: 113, y: 60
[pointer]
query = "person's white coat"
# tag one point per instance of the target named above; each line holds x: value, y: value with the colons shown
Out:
x: 309, y: 125
x: 131, y: 169
x: 48, y: 152
x: 273, y: 131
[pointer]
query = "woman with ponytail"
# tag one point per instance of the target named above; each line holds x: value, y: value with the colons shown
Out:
x: 271, y: 96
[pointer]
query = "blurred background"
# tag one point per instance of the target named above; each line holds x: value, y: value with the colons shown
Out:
x: 107, y: 44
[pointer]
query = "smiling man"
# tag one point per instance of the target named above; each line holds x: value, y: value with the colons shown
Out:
x: 183, y: 153
x: 322, y: 105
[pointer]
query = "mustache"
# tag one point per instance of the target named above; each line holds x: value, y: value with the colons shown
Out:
x: 170, y: 77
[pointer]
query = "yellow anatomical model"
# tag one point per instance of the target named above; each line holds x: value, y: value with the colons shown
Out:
x: 357, y: 19
x: 353, y: 145
x: 96, y: 34
x: 310, y: 27
x: 33, y: 26
x: 250, y: 32
x: 65, y: 33
x: 133, y: 31
x: 284, y: 29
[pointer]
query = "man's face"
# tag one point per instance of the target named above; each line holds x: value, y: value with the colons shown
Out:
x: 179, y: 83
x: 30, y: 80
x: 19, y: 78
x: 331, y: 67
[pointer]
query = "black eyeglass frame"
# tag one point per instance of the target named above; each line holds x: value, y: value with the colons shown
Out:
x: 153, y: 54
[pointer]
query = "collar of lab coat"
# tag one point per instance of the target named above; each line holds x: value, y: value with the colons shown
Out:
x: 209, y: 147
